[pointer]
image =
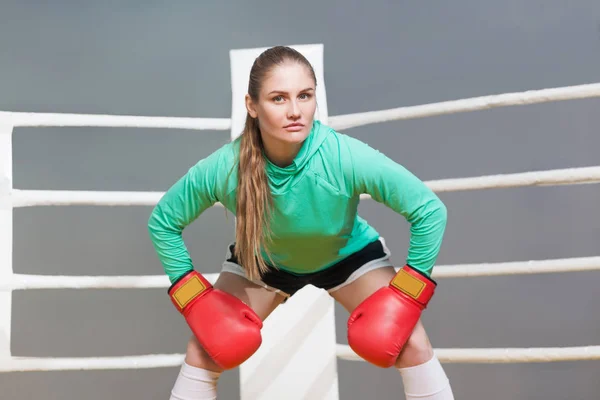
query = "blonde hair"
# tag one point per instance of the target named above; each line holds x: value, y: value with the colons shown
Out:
x: 254, y: 200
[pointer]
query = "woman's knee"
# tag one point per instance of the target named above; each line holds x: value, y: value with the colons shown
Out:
x: 196, y: 356
x: 417, y: 349
x: 259, y: 299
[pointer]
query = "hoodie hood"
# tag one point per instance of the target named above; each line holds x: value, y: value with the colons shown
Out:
x: 281, y: 179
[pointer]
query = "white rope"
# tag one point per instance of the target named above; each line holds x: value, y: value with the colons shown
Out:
x: 534, y: 178
x: 567, y: 176
x: 28, y: 198
x: 347, y: 121
x: 344, y: 352
x: 27, y: 282
x: 24, y: 119
x: 518, y: 267
x: 499, y: 356
x: 27, y: 364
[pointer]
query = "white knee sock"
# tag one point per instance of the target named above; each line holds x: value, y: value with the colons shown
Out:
x: 195, y: 384
x: 426, y: 381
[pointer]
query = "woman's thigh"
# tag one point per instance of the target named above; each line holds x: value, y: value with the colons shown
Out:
x: 356, y: 292
x: 260, y: 299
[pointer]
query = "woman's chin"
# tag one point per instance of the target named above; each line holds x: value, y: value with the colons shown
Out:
x: 293, y: 136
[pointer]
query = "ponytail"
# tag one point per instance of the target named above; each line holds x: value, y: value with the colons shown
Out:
x: 254, y: 203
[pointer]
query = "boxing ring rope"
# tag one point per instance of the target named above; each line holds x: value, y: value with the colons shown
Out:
x: 30, y: 281
x: 455, y: 356
x: 25, y: 119
x: 340, y: 122
x: 29, y: 198
x: 13, y: 198
x: 464, y: 105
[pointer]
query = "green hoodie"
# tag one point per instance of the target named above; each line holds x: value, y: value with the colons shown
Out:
x: 314, y: 221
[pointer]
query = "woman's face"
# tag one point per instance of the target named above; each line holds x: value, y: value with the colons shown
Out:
x: 286, y: 105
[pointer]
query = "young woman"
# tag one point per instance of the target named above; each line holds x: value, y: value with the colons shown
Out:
x: 294, y: 186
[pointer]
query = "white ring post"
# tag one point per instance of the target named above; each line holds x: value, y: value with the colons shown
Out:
x: 6, y: 231
x: 297, y: 359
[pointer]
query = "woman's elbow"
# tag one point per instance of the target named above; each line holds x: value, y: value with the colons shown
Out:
x: 443, y: 210
x: 156, y: 222
x: 442, y: 213
x: 436, y: 214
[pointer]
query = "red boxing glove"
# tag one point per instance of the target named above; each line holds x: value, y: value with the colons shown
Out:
x: 225, y: 326
x: 380, y: 326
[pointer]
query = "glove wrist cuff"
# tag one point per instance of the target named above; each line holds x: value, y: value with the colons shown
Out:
x: 414, y: 284
x: 187, y: 289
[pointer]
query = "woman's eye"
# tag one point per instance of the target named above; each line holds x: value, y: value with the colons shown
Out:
x: 277, y: 98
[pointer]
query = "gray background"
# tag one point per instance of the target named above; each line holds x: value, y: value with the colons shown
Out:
x: 159, y: 58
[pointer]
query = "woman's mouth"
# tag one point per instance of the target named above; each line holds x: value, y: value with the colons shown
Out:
x: 295, y: 127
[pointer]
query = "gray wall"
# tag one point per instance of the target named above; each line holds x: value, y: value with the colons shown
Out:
x: 154, y: 58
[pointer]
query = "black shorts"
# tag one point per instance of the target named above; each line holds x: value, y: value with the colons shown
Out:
x: 372, y: 256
